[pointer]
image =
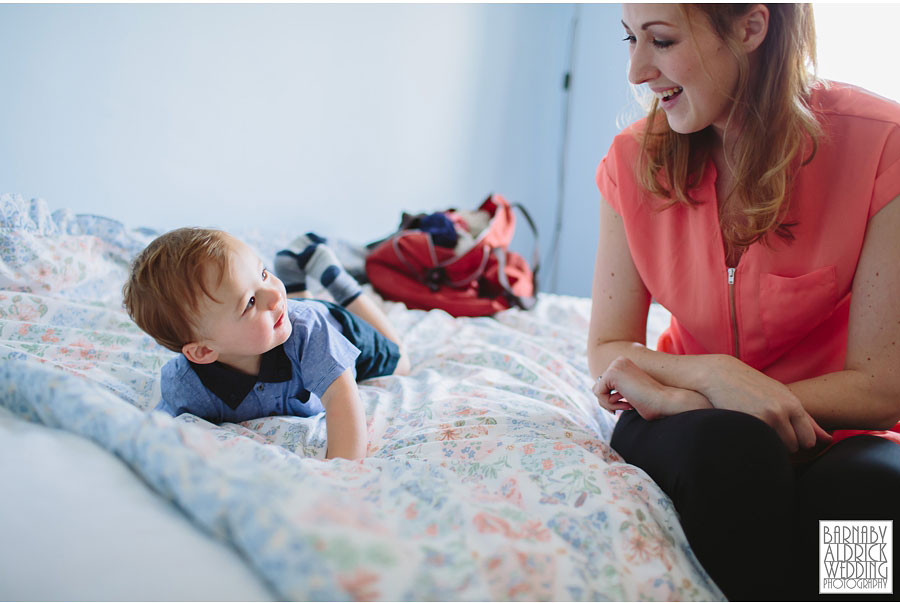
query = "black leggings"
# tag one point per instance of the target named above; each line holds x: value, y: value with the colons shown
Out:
x: 750, y: 516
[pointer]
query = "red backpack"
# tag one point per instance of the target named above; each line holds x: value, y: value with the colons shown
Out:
x: 482, y: 280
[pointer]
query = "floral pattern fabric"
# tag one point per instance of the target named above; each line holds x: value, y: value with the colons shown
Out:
x: 489, y: 473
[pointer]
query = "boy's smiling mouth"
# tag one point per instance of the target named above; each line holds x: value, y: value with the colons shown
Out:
x: 279, y: 321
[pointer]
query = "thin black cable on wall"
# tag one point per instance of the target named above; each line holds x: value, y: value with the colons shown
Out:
x: 553, y: 255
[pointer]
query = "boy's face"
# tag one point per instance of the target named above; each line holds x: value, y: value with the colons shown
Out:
x: 250, y: 317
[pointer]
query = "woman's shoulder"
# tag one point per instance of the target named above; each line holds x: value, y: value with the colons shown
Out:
x: 837, y: 99
x: 622, y: 154
x: 862, y: 126
x: 628, y: 139
x: 615, y: 175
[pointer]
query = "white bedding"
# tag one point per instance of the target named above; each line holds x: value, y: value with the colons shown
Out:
x: 489, y: 473
x: 78, y: 524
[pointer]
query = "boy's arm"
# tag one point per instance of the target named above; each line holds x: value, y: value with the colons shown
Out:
x: 345, y: 421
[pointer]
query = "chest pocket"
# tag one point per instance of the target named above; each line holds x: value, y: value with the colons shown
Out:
x: 792, y: 306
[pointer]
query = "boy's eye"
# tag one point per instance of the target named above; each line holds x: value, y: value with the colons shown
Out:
x: 265, y: 273
x: 251, y: 303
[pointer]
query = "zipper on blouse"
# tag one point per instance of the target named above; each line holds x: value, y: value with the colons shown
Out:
x: 734, y: 327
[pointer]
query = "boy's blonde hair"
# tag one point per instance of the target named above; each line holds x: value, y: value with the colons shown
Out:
x: 162, y: 294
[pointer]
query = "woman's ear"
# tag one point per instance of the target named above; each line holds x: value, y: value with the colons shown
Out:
x: 198, y: 353
x: 753, y: 27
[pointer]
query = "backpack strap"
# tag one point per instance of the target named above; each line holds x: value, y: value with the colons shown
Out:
x: 535, y: 255
x: 525, y: 303
x: 435, y: 276
x: 476, y: 274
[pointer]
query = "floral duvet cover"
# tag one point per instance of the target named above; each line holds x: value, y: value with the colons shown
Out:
x: 489, y: 473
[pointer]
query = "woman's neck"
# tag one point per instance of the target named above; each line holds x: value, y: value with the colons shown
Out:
x: 725, y: 176
x: 729, y: 204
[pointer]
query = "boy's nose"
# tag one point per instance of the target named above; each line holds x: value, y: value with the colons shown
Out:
x: 273, y: 299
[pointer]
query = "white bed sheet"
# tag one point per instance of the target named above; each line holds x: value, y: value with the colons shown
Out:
x: 78, y: 524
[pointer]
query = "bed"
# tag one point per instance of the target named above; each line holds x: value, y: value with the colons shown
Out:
x: 489, y: 474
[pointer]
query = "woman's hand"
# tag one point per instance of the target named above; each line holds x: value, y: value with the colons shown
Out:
x: 732, y: 385
x: 623, y: 386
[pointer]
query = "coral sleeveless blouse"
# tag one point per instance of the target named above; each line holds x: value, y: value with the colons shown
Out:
x: 789, y: 318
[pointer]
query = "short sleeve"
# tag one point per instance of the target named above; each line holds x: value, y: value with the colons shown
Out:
x: 200, y: 406
x: 165, y: 407
x: 887, y: 179
x: 170, y: 385
x: 182, y: 392
x: 615, y: 174
x: 606, y: 180
x: 324, y: 352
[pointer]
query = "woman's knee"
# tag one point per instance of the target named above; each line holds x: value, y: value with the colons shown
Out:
x: 708, y: 435
x: 738, y: 452
x: 858, y: 478
x: 696, y: 451
x: 739, y: 438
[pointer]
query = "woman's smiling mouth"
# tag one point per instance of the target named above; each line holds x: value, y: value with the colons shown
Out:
x: 669, y: 94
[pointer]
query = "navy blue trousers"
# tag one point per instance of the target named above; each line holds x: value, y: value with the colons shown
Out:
x: 750, y: 515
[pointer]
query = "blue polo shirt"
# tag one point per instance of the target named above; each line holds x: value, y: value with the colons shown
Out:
x: 292, y: 377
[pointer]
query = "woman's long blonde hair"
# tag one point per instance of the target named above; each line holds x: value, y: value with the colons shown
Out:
x: 769, y: 108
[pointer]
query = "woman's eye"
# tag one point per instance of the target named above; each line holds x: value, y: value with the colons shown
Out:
x: 661, y: 44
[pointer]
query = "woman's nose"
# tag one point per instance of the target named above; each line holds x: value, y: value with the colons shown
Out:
x: 640, y: 68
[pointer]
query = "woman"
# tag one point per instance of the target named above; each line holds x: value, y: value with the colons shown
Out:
x: 759, y: 206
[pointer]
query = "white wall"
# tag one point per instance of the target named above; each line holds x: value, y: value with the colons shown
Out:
x: 856, y: 43
x: 326, y: 117
x: 602, y: 103
x: 336, y: 118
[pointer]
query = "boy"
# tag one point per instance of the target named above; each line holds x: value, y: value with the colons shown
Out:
x: 246, y: 350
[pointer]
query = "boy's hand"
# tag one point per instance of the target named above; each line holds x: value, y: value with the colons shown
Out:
x: 345, y: 421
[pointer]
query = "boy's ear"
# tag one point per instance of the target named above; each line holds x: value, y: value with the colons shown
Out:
x: 198, y: 353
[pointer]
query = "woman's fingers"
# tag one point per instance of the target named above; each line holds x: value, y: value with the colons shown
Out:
x: 736, y: 386
x: 802, y: 424
x: 821, y: 434
x: 808, y: 433
x: 788, y: 434
x: 611, y: 400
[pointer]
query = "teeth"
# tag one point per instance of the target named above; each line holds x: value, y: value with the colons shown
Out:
x: 665, y: 94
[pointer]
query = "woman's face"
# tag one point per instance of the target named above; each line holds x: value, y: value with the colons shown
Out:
x: 686, y: 65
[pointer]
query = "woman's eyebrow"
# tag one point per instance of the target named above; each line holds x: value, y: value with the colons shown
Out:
x: 649, y: 23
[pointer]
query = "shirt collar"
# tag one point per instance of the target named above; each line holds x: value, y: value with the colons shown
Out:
x: 232, y: 386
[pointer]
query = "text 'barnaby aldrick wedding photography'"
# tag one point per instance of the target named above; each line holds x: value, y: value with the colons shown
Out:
x: 856, y: 556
